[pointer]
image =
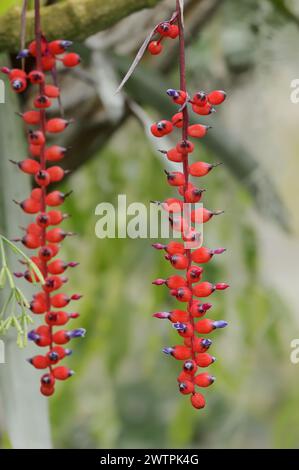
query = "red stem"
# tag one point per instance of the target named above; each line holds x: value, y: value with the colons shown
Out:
x: 183, y: 87
x: 39, y: 39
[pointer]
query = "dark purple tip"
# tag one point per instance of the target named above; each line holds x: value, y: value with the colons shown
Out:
x: 173, y: 93
x: 78, y: 333
x: 66, y: 44
x: 23, y: 54
x: 167, y: 351
x: 161, y: 315
x: 33, y: 336
x: 68, y: 352
x: 206, y: 343
x: 220, y: 324
x: 158, y: 246
x: 179, y: 326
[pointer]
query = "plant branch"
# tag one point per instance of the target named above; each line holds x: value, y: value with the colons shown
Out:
x: 71, y: 19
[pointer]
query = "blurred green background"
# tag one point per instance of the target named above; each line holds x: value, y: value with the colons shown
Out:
x: 124, y: 393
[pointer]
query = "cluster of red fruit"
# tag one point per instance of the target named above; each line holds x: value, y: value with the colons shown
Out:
x: 188, y: 322
x: 167, y: 29
x: 43, y: 234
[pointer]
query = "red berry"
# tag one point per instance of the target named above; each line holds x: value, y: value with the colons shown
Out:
x: 183, y: 294
x: 201, y: 168
x: 18, y: 84
x: 57, y: 318
x: 197, y: 309
x: 193, y: 194
x: 28, y: 166
x: 35, y: 150
x: 163, y: 28
x: 178, y: 96
x: 62, y: 373
x: 42, y: 178
x: 59, y: 46
x: 198, y: 401
x: 204, y: 379
x: 52, y: 91
x: 175, y: 281
x: 52, y: 283
x: 162, y: 128
x: 42, y: 102
x: 31, y: 117
x: 177, y: 120
x: 55, y: 217
x: 178, y: 316
x: 179, y: 261
x: 60, y: 300
x: 202, y: 215
x: 197, y: 130
x: 203, y: 110
x: 173, y: 155
x: 55, y: 153
x: 56, y: 125
x: 190, y: 367
x: 204, y: 359
x: 56, y: 174
x: 30, y: 206
x: 194, y: 274
x: 200, y: 98
x: 36, y: 138
x: 33, y: 48
x: 39, y: 362
x: 36, y: 77
x: 186, y: 387
x: 71, y: 59
x: 155, y: 47
x: 185, y: 146
x: 48, y: 63
x: 16, y: 73
x: 203, y: 289
x: 174, y: 31
x: 216, y: 97
x: 179, y: 352
x: 47, y: 391
x: 175, y: 178
x: 55, y: 198
x: 56, y: 235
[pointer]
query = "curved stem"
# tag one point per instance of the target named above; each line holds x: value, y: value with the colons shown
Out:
x: 183, y: 87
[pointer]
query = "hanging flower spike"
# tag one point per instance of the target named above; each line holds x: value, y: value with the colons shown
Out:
x: 188, y: 322
x: 41, y: 235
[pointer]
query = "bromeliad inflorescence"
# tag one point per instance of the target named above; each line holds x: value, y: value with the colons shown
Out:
x: 186, y: 288
x: 44, y: 234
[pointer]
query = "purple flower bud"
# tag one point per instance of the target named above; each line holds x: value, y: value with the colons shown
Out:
x: 173, y: 93
x: 158, y: 246
x: 158, y: 282
x: 179, y: 326
x: 68, y: 352
x: 220, y: 324
x: 218, y: 251
x: 66, y: 44
x: 78, y: 333
x: 206, y: 343
x: 33, y: 336
x: 161, y: 315
x: 168, y: 351
x: 23, y: 54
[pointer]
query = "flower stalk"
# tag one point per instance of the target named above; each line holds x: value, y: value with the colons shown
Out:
x: 44, y: 233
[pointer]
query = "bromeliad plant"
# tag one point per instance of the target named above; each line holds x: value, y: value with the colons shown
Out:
x: 44, y: 233
x: 186, y: 288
